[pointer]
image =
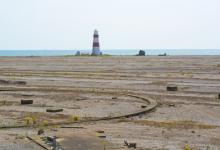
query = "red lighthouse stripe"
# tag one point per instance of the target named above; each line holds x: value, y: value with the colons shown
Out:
x: 96, y: 36
x: 95, y: 44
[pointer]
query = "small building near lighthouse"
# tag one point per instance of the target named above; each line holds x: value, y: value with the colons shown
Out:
x: 96, y: 46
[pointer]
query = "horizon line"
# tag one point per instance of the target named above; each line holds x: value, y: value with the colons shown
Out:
x: 109, y: 49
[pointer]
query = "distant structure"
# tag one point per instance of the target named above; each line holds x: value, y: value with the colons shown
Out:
x: 96, y: 47
x: 165, y: 54
x: 78, y: 53
x: 141, y: 53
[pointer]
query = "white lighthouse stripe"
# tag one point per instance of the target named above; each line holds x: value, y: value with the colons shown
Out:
x: 96, y: 32
x: 96, y: 40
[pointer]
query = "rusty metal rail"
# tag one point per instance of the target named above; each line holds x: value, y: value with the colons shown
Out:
x: 152, y: 104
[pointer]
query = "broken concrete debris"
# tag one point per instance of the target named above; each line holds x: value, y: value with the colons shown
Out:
x: 130, y: 145
x: 26, y: 102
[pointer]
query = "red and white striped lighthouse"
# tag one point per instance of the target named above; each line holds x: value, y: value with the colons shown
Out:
x: 96, y: 46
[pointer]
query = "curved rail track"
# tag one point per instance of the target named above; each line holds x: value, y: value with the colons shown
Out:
x: 151, y: 105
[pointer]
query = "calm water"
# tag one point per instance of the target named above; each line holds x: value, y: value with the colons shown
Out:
x: 111, y: 52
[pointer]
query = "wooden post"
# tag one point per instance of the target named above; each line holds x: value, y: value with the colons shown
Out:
x: 172, y: 88
x: 26, y: 102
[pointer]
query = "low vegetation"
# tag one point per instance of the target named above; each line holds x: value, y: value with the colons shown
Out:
x: 172, y: 124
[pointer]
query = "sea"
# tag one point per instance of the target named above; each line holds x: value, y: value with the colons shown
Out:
x: 153, y: 52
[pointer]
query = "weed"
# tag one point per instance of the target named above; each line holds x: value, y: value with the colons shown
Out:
x: 74, y: 118
x: 187, y: 147
x: 159, y: 82
x: 45, y: 123
x: 34, y: 119
x: 28, y: 121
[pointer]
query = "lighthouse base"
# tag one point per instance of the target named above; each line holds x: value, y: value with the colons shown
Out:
x: 96, y: 52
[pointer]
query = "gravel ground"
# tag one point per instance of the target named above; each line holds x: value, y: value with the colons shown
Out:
x: 189, y: 116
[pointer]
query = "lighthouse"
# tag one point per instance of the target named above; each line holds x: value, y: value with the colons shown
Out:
x: 96, y: 46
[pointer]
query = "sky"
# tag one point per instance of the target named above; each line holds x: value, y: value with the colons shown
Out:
x: 122, y: 24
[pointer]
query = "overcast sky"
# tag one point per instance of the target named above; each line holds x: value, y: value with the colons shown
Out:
x: 122, y: 24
